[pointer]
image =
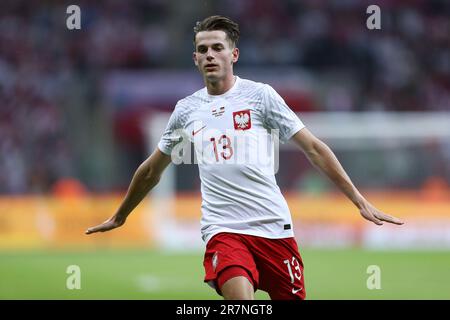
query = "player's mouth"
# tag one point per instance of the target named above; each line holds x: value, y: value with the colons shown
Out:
x: 210, y: 66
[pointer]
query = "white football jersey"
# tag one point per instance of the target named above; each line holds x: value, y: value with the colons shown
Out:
x: 235, y: 135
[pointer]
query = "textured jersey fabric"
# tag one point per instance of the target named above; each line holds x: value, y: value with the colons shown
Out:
x: 233, y: 135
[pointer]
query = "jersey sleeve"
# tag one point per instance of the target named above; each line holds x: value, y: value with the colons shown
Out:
x: 278, y: 115
x: 172, y: 134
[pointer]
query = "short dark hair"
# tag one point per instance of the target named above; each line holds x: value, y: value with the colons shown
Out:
x: 225, y: 24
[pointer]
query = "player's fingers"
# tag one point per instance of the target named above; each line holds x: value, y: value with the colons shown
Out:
x: 390, y: 219
x: 95, y: 229
x: 371, y: 217
x: 376, y: 221
x: 91, y: 230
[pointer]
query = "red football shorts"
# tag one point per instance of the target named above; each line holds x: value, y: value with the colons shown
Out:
x: 271, y: 265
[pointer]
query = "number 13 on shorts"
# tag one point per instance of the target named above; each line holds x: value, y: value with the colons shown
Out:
x: 293, y: 267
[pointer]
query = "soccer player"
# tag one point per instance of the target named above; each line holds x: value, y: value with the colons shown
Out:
x: 246, y: 223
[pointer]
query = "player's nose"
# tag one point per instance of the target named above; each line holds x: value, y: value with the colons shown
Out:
x: 209, y: 54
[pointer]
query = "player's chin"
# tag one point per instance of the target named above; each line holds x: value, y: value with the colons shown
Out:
x: 211, y: 76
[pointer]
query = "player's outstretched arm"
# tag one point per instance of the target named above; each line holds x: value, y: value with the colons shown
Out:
x: 144, y: 179
x: 321, y: 156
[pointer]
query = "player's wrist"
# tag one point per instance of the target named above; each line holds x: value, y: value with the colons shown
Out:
x: 120, y: 217
x: 359, y: 201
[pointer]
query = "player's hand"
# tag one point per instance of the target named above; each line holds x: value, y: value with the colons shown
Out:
x: 371, y: 213
x: 111, y: 223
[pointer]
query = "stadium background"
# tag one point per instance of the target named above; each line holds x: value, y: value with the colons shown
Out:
x: 80, y: 109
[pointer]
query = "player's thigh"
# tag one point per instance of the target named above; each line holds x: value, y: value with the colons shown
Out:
x: 235, y: 283
x: 226, y: 250
x: 280, y: 269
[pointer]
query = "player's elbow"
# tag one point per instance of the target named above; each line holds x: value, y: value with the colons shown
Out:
x: 153, y: 177
x: 317, y: 151
x: 312, y: 149
x: 149, y: 174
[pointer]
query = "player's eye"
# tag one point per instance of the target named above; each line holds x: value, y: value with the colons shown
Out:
x: 201, y: 49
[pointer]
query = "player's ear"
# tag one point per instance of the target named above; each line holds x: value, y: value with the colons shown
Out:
x: 194, y: 57
x: 235, y: 55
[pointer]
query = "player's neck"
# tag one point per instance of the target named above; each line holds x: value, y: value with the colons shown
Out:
x: 220, y: 87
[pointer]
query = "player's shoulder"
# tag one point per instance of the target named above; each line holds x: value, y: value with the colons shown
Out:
x: 250, y: 85
x: 254, y: 88
x: 193, y: 100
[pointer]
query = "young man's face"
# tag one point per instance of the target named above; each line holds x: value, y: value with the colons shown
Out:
x: 214, y: 56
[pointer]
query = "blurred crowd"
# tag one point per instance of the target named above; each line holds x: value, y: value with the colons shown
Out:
x: 405, y: 66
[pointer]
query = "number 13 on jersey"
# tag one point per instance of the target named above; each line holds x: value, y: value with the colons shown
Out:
x: 227, y: 150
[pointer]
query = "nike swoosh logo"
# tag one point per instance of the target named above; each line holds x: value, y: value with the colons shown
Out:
x: 195, y: 132
x: 294, y: 291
